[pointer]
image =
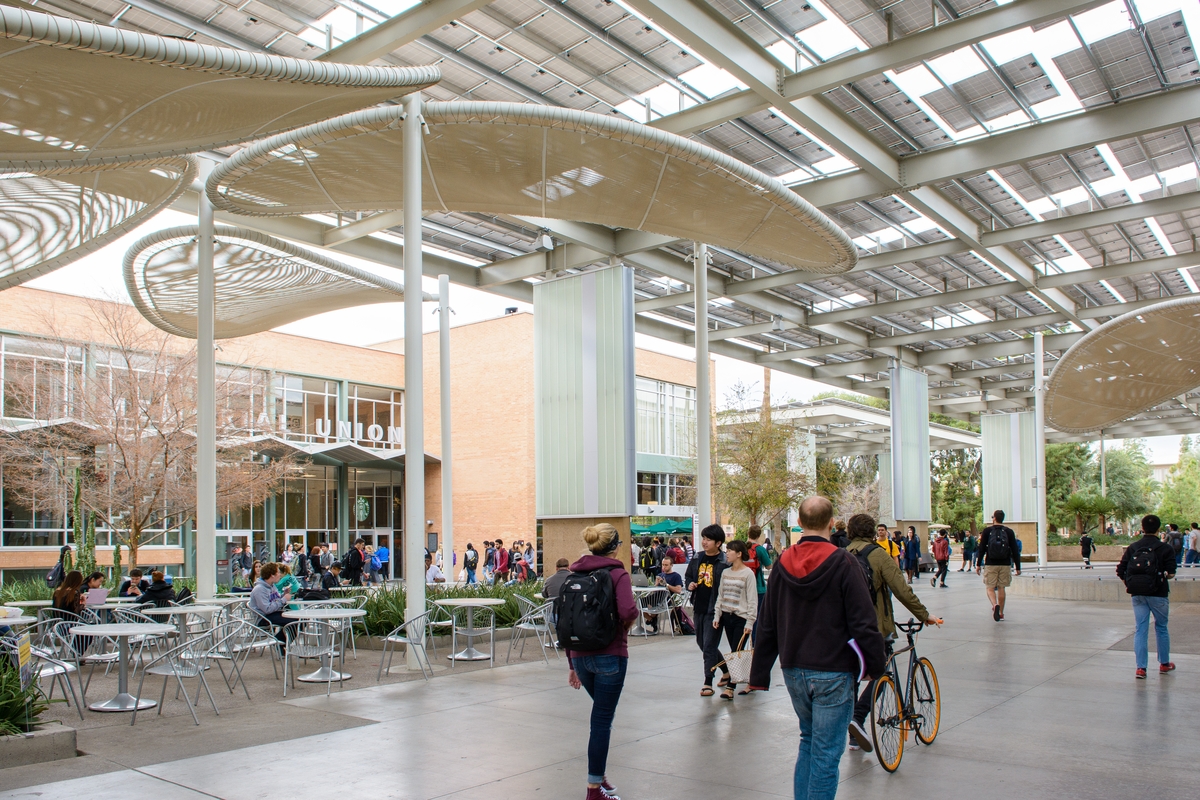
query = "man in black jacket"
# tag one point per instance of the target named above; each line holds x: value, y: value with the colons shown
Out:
x: 356, y: 559
x: 998, y: 555
x: 817, y: 618
x: 702, y: 577
x: 1147, y: 567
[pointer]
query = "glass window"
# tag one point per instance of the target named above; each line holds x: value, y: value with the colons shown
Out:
x: 666, y: 418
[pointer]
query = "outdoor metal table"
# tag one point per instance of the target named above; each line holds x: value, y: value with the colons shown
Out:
x: 639, y: 625
x: 17, y: 621
x: 469, y: 653
x: 40, y: 605
x: 326, y: 672
x: 179, y: 613
x: 124, y: 701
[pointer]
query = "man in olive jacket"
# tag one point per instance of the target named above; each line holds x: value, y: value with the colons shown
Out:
x: 887, y: 580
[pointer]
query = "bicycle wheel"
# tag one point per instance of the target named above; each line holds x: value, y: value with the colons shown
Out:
x: 927, y: 701
x: 887, y: 724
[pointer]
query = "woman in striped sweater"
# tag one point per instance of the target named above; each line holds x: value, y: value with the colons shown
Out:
x: 737, y: 601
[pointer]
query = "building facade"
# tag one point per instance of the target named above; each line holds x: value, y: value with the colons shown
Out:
x: 340, y: 409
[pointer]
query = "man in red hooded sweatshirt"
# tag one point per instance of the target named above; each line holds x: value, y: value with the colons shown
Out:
x: 817, y: 618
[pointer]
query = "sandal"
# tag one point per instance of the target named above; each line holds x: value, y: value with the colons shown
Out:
x: 724, y: 680
x: 727, y: 694
x: 745, y: 691
x: 707, y: 691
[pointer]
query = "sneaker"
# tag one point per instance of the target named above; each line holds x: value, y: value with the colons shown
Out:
x: 996, y: 612
x: 860, y: 736
x: 597, y: 793
x: 1163, y: 669
x: 933, y: 582
x: 853, y: 746
x: 1140, y: 674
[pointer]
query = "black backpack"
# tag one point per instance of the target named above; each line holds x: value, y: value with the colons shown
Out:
x: 646, y: 559
x: 586, y: 608
x: 54, y: 577
x: 313, y: 594
x: 1142, y: 575
x: 997, y: 548
x: 472, y: 559
x: 868, y: 572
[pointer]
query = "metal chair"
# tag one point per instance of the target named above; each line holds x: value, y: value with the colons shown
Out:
x: 412, y: 635
x: 461, y: 615
x: 259, y: 637
x: 655, y: 604
x: 133, y: 616
x: 186, y: 660
x: 47, y: 666
x: 535, y: 621
x: 441, y: 622
x: 235, y: 640
x: 307, y: 639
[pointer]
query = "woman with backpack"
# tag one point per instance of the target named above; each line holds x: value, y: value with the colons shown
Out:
x: 595, y: 607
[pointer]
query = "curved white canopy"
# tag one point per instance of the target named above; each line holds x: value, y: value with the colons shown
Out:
x: 262, y: 282
x: 72, y: 90
x: 539, y: 161
x: 53, y: 217
x: 1128, y: 365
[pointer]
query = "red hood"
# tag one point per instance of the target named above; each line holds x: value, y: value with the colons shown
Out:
x: 805, y: 556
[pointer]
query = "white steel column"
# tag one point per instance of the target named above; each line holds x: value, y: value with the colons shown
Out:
x: 703, y: 401
x: 414, y: 406
x: 447, y: 460
x: 206, y: 399
x: 1103, y: 470
x: 1039, y: 406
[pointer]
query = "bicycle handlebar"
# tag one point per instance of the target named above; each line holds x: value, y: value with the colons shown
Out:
x: 912, y: 626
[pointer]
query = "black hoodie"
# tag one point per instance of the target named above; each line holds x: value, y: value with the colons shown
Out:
x: 160, y: 593
x: 816, y: 602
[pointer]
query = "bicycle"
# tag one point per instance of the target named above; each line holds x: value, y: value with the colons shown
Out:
x: 918, y: 709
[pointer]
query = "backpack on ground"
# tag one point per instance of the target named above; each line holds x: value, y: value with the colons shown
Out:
x: 997, y: 548
x: 864, y: 561
x: 54, y: 577
x: 586, y: 608
x: 1142, y: 575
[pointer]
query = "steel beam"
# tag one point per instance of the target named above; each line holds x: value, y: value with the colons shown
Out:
x: 1122, y: 270
x: 1008, y: 324
x: 398, y: 31
x: 916, y: 303
x: 1093, y: 219
x: 977, y: 352
x: 363, y: 227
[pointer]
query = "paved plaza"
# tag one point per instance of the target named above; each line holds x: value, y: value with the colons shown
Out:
x: 1041, y: 705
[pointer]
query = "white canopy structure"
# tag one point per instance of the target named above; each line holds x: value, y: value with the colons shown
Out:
x: 1126, y: 366
x: 261, y: 282
x: 534, y: 161
x: 51, y: 218
x: 73, y: 90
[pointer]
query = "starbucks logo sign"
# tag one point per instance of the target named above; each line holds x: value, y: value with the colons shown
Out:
x: 362, y: 509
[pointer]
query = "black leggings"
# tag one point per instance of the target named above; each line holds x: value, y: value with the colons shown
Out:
x: 734, y: 626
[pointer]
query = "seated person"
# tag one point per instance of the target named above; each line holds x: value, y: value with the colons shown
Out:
x: 160, y: 593
x: 134, y: 585
x: 93, y: 581
x: 432, y: 573
x: 268, y: 603
x: 287, y: 583
x: 674, y: 583
x: 67, y: 597
x: 555, y: 581
x: 331, y: 578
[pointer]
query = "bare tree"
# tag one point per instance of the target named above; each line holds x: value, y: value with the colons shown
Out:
x: 127, y: 438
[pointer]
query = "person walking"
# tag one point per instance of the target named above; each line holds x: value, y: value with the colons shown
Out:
x: 1175, y: 539
x: 912, y: 554
x: 886, y: 581
x: 969, y: 544
x: 998, y: 554
x: 1085, y: 549
x: 816, y: 619
x: 702, y: 577
x: 758, y: 558
x: 890, y: 547
x: 1146, y: 568
x: 385, y: 561
x: 356, y: 561
x: 500, y: 569
x: 600, y: 671
x: 471, y: 563
x: 941, y: 554
x: 736, y: 605
x: 1193, y: 553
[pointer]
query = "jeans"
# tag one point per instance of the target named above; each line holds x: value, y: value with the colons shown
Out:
x: 824, y: 702
x: 470, y: 576
x: 602, y: 677
x: 1179, y: 558
x: 943, y: 567
x: 1192, y: 558
x: 1143, y: 607
x: 709, y: 641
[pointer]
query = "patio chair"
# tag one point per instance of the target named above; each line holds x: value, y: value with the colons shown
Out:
x: 441, y: 622
x: 258, y: 637
x: 186, y: 660
x: 534, y: 621
x: 47, y: 666
x: 655, y: 604
x: 307, y: 639
x: 412, y: 635
x: 235, y: 640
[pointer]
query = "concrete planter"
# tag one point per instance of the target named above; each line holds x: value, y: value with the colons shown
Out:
x: 1070, y: 552
x: 49, y: 743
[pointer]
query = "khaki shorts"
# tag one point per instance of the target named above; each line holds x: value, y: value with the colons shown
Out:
x: 997, y: 576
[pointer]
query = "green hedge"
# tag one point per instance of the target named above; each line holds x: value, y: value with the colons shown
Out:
x: 385, y: 607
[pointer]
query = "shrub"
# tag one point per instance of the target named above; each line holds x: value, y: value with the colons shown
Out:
x: 19, y: 708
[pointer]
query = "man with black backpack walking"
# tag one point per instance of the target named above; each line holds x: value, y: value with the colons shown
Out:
x: 998, y: 555
x: 1147, y: 567
x: 884, y: 579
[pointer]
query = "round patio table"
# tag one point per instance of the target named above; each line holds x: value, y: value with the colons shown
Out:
x: 17, y: 621
x: 469, y: 653
x: 326, y: 673
x: 179, y: 615
x: 124, y: 701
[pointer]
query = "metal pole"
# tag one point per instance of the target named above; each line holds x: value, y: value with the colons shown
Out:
x: 1039, y: 406
x: 414, y: 407
x: 703, y: 401
x: 206, y: 399
x: 447, y: 460
x: 1103, y: 471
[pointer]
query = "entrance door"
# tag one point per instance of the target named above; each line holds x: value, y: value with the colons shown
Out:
x: 229, y: 575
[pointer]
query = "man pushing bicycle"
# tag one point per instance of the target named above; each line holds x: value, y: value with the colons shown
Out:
x: 885, y: 580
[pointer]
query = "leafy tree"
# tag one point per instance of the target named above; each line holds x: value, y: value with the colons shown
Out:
x: 1180, y: 499
x: 1131, y: 486
x: 957, y: 487
x: 1070, y: 469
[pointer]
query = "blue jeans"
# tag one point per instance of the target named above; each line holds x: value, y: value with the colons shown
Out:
x: 1143, y: 607
x: 470, y: 576
x: 1192, y: 558
x: 824, y: 702
x: 603, y: 677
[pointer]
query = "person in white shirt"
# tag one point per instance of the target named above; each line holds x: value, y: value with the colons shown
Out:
x: 432, y: 573
x: 1192, y: 557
